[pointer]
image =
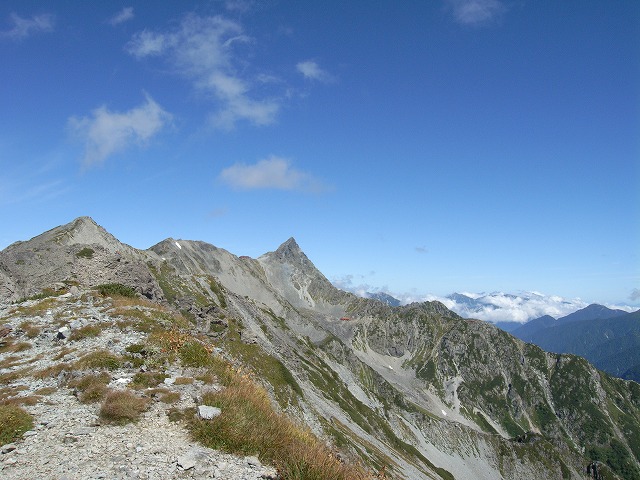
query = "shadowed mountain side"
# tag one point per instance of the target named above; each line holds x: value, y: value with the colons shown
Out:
x: 611, y: 344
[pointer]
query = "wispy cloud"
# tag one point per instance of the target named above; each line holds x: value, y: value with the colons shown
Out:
x: 358, y: 284
x: 274, y: 173
x: 421, y: 249
x: 105, y: 133
x: 205, y: 51
x: 475, y: 12
x: 25, y: 27
x: 635, y: 294
x: 122, y: 16
x: 26, y: 192
x: 312, y: 71
x: 240, y: 6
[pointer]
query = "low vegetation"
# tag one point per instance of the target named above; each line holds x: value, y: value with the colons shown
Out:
x: 86, y: 252
x: 249, y: 425
x: 111, y: 289
x: 100, y: 359
x: 88, y: 331
x: 122, y: 406
x: 90, y: 388
x: 14, y: 421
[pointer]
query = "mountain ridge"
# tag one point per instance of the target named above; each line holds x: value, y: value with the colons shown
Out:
x: 415, y: 389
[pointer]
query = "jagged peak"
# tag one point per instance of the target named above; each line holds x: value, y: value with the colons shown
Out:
x: 288, y: 248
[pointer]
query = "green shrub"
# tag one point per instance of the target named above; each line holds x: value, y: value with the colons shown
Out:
x: 86, y: 252
x: 194, y: 354
x: 110, y: 289
x: 99, y: 359
x: 14, y: 421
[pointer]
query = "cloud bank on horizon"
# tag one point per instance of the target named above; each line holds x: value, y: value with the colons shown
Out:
x: 491, y: 307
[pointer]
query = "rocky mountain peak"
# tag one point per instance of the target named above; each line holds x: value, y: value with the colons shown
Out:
x: 291, y: 251
x: 84, y: 231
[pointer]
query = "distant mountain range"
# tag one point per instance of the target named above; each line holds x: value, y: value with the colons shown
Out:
x: 384, y: 298
x: 528, y: 331
x: 608, y: 338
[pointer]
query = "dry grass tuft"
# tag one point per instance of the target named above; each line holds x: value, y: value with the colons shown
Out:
x: 183, y: 381
x: 12, y: 346
x: 8, y: 392
x: 52, y: 371
x: 91, y: 388
x: 249, y: 425
x: 170, y: 397
x: 21, y: 346
x: 21, y: 400
x: 122, y: 406
x: 88, y: 331
x: 164, y: 395
x: 30, y: 330
x: 64, y: 351
x: 10, y: 361
x: 11, y: 377
x: 147, y: 380
x: 46, y: 391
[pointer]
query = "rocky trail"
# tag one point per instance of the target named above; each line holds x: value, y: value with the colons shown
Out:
x: 69, y: 440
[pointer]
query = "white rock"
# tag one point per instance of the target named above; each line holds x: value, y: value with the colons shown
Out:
x: 207, y: 413
x: 186, y: 461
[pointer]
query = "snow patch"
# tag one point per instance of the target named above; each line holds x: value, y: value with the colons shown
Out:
x: 178, y: 245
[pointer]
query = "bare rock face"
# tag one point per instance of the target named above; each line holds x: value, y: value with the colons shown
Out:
x: 289, y: 271
x: 79, y: 253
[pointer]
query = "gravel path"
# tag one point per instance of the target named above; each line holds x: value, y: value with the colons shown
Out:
x: 69, y: 442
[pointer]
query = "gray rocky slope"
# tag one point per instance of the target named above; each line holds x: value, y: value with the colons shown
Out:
x: 414, y: 390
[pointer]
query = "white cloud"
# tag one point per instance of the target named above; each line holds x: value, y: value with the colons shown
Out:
x: 122, y: 16
x: 204, y: 50
x: 635, y: 294
x: 105, y: 133
x: 311, y: 70
x: 361, y: 288
x: 475, y: 12
x: 503, y: 307
x: 146, y: 44
x: 24, y: 27
x: 270, y: 173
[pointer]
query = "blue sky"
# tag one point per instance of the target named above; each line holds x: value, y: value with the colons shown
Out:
x: 413, y: 147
